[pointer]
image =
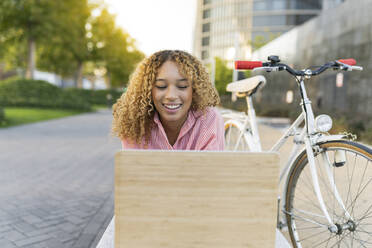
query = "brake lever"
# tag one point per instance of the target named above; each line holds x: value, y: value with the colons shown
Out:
x: 349, y: 68
x: 269, y: 68
x: 346, y: 67
x: 357, y: 68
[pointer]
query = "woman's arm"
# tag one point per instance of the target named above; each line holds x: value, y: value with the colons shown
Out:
x: 212, y: 132
x: 125, y: 145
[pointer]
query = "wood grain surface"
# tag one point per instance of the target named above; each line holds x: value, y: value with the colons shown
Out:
x: 195, y: 199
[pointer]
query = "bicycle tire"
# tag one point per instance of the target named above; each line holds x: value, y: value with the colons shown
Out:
x: 306, y: 225
x: 232, y: 131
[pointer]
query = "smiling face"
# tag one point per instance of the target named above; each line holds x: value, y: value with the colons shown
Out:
x: 172, y: 95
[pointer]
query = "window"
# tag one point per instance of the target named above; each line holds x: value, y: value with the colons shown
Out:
x: 205, y: 54
x: 298, y: 19
x: 286, y: 4
x: 206, y: 27
x: 206, y: 13
x: 272, y: 20
x: 205, y: 41
x: 205, y: 2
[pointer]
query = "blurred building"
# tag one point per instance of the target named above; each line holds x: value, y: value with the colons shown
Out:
x: 271, y: 18
x: 229, y: 28
x: 221, y: 26
x: 329, y: 4
x: 97, y: 83
x: 344, y: 31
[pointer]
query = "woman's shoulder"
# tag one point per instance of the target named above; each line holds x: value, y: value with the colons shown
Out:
x: 209, y: 114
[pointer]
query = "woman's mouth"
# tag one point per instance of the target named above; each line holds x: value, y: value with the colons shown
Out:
x: 172, y: 106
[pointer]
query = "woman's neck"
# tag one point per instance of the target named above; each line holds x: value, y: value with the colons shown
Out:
x: 172, y: 130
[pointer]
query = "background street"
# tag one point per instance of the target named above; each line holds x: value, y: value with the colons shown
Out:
x: 57, y: 182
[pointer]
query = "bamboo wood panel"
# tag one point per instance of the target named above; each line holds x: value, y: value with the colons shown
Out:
x: 195, y: 199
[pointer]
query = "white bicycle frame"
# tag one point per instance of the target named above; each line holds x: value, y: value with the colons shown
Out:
x: 308, y: 137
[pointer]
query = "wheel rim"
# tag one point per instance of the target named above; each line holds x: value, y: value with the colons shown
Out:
x: 307, y: 225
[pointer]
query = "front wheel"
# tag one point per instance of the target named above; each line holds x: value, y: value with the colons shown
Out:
x: 351, y: 167
x: 235, y: 139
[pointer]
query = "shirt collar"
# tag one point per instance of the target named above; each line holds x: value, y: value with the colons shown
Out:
x: 192, y: 116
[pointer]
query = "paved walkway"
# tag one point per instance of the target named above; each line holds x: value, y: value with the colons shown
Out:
x: 56, y: 182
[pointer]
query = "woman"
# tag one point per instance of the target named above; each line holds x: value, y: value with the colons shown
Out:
x: 169, y: 105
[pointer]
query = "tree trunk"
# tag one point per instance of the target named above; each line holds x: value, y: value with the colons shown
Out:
x: 108, y: 80
x: 79, y: 76
x: 30, y: 68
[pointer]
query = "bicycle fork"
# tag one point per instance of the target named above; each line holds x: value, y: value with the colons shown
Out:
x: 314, y: 176
x: 310, y: 125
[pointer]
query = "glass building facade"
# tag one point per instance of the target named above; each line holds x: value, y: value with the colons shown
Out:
x: 221, y: 26
x: 229, y: 28
x: 273, y: 17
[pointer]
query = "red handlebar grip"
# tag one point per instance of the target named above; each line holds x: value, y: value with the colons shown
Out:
x: 247, y: 65
x: 348, y: 61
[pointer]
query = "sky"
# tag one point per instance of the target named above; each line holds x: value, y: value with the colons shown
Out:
x: 156, y: 24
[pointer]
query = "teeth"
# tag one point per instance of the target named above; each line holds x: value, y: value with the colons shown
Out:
x: 172, y: 106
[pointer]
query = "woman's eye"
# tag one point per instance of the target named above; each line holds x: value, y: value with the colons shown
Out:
x: 183, y: 87
x: 160, y: 86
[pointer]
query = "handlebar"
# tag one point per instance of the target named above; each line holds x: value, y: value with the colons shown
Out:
x: 274, y: 65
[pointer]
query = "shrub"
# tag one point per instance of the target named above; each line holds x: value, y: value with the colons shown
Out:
x: 2, y: 116
x: 37, y: 93
x: 366, y: 135
x: 96, y: 96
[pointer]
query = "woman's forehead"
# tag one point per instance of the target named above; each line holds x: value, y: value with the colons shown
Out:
x: 172, y: 68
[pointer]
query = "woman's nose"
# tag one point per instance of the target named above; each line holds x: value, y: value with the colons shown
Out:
x: 171, y: 93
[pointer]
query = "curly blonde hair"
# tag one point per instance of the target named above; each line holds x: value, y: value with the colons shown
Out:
x: 134, y: 111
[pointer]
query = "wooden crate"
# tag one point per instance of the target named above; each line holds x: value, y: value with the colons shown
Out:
x: 195, y: 199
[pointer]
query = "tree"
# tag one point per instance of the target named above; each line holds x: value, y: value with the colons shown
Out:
x: 65, y: 37
x: 261, y: 40
x: 28, y: 22
x: 113, y: 49
x: 66, y: 52
x: 223, y: 75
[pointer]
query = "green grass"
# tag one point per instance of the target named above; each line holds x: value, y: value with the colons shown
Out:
x: 97, y: 107
x: 17, y: 116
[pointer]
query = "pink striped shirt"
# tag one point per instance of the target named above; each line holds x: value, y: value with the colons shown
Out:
x: 199, y: 132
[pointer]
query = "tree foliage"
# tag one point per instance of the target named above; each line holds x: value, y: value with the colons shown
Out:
x: 69, y: 40
x: 113, y: 49
x: 261, y: 40
x: 223, y: 75
x: 26, y: 23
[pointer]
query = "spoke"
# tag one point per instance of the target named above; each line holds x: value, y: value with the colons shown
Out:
x: 311, y: 188
x: 367, y: 216
x: 369, y: 233
x: 350, y: 180
x: 360, y: 184
x: 338, y: 242
x: 366, y: 213
x: 312, y: 235
x: 362, y: 242
x: 323, y: 241
x: 344, y: 241
x: 353, y: 182
x: 305, y: 219
x: 308, y: 213
x: 310, y: 227
x: 360, y: 192
x: 308, y: 201
x: 364, y: 231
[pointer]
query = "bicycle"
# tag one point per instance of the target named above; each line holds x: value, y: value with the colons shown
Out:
x: 328, y: 178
